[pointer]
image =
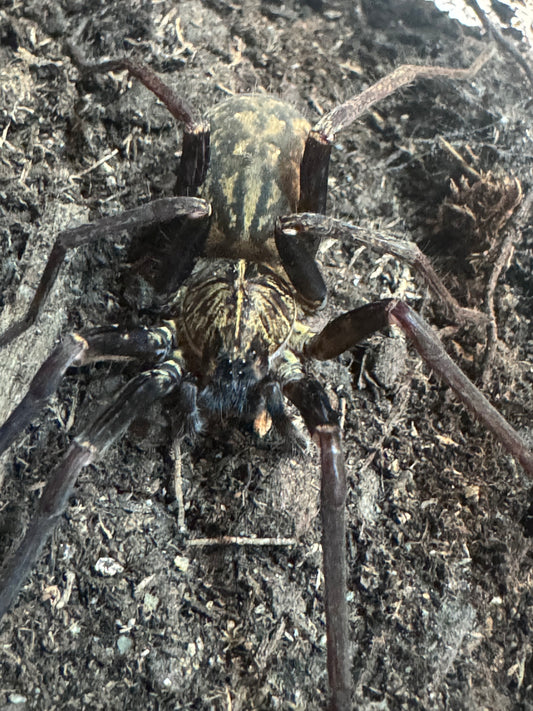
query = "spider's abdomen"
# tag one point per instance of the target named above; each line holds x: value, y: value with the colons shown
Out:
x: 235, y: 311
x: 257, y: 143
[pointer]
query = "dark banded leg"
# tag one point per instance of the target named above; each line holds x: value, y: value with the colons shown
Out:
x: 345, y: 331
x: 134, y: 221
x: 132, y: 401
x: 315, y: 162
x: 311, y: 228
x: 322, y: 421
x: 297, y: 251
x: 104, y: 344
x: 195, y: 149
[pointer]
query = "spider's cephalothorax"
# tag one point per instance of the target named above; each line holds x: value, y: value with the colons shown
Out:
x: 232, y: 345
x: 233, y: 318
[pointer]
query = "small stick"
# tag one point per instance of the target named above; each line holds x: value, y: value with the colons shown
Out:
x: 242, y: 541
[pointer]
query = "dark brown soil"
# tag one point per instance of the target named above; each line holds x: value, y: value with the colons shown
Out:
x: 439, y: 556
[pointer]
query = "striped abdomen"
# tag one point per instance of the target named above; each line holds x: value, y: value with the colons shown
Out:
x: 257, y: 144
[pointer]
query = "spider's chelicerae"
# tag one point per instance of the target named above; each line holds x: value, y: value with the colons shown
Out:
x: 233, y: 342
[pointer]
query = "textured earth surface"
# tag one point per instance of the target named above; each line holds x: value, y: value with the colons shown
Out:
x: 124, y: 610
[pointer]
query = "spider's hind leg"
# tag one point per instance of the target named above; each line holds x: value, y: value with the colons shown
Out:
x: 297, y: 247
x: 196, y: 135
x: 308, y: 228
x: 315, y: 162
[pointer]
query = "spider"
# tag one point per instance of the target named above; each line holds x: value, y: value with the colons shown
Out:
x: 234, y: 343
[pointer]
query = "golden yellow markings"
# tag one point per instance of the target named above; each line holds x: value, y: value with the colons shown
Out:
x: 239, y: 284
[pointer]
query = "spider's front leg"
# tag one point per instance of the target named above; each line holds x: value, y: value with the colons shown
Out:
x: 142, y: 344
x: 322, y: 422
x: 348, y: 329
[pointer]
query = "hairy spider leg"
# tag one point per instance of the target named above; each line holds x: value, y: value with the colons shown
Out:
x: 308, y: 395
x: 298, y: 258
x: 297, y: 244
x: 307, y: 279
x: 144, y: 344
x: 310, y: 227
x: 194, y: 161
x: 157, y: 213
x: 135, y: 397
x: 297, y: 248
x: 315, y: 162
x: 192, y: 170
x: 348, y: 329
x: 340, y: 335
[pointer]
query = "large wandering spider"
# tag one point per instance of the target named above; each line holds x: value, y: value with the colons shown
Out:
x: 234, y: 342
